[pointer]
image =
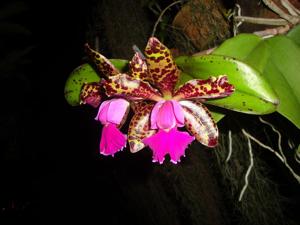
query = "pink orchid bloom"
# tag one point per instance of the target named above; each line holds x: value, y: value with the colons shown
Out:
x: 165, y: 108
x: 111, y: 114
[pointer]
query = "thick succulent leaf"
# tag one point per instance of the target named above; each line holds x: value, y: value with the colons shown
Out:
x: 139, y: 127
x: 161, y: 66
x: 85, y: 74
x: 81, y: 75
x: 238, y: 47
x: 103, y: 65
x: 294, y: 35
x: 128, y: 87
x: 199, y: 122
x: 249, y: 84
x: 281, y: 69
x: 120, y: 64
x: 217, y: 116
x: 277, y: 59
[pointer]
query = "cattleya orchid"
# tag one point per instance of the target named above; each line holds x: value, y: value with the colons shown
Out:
x: 112, y: 113
x: 160, y: 108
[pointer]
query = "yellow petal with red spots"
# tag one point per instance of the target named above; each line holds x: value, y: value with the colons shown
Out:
x: 161, y: 66
x: 139, y: 127
x: 128, y: 87
x: 138, y: 68
x: 199, y: 122
x: 90, y: 94
x: 214, y: 87
x: 104, y: 66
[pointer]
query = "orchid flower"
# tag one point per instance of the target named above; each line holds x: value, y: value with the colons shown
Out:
x: 163, y: 108
x: 112, y: 113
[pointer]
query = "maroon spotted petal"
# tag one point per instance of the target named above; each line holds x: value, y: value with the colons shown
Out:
x: 104, y: 66
x: 214, y: 87
x: 128, y: 87
x: 199, y: 122
x: 138, y: 68
x: 139, y: 127
x: 161, y: 66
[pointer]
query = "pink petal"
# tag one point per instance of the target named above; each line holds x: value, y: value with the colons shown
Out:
x: 112, y: 111
x: 178, y: 143
x: 116, y: 111
x: 102, y: 112
x: 173, y: 142
x: 158, y: 144
x: 165, y: 117
x: 112, y: 140
x: 154, y: 114
x: 178, y: 112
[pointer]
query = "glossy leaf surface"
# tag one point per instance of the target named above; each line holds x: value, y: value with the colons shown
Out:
x: 277, y: 59
x: 252, y: 93
x: 85, y: 74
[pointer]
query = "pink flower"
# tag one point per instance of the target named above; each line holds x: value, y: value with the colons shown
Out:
x: 165, y: 107
x: 160, y: 108
x: 111, y: 114
x: 166, y: 116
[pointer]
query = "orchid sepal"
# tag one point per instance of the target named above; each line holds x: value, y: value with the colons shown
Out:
x: 104, y: 66
x: 138, y: 68
x: 161, y: 66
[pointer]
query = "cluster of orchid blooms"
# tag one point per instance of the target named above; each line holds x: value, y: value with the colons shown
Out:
x: 160, y: 109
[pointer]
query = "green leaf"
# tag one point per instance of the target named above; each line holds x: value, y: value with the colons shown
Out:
x: 277, y: 59
x: 294, y: 35
x: 282, y: 71
x: 120, y: 64
x: 217, y: 116
x: 238, y: 47
x: 78, y: 77
x: 252, y: 94
x: 86, y: 74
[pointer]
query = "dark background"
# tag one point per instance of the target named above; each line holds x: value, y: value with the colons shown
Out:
x: 50, y: 169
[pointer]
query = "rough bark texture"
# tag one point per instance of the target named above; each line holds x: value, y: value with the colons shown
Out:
x: 203, y: 22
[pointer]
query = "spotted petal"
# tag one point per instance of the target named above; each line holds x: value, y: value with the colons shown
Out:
x: 126, y: 86
x: 161, y: 66
x: 90, y: 94
x: 199, y: 122
x: 214, y: 87
x: 104, y: 66
x: 139, y: 127
x: 138, y: 67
